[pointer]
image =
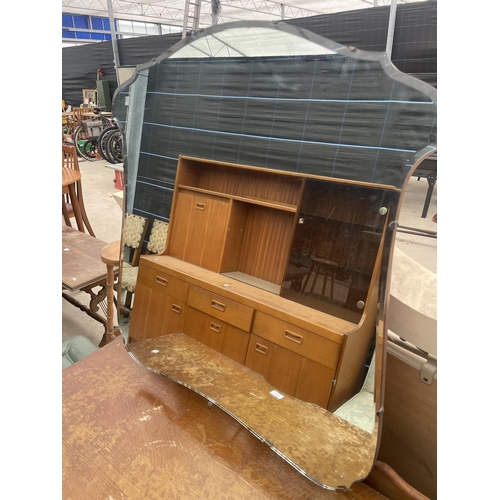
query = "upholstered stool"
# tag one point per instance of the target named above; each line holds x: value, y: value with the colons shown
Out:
x: 76, y: 348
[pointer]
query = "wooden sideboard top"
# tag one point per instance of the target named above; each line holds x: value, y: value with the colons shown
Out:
x: 329, y: 326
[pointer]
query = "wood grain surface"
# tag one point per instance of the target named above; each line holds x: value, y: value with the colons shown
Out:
x: 131, y: 433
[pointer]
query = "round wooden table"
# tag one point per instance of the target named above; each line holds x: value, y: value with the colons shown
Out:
x: 70, y: 177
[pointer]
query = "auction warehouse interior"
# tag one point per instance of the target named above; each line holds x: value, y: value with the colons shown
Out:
x: 249, y: 239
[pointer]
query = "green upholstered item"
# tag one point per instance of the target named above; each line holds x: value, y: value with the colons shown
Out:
x: 76, y: 348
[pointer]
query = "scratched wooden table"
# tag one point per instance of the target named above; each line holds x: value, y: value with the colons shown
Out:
x: 131, y: 433
x: 83, y: 269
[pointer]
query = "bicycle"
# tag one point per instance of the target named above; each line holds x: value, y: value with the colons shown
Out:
x: 114, y: 147
x: 102, y: 143
x: 87, y: 133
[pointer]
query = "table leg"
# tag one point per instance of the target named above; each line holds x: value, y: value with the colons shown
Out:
x: 65, y: 213
x: 110, y: 255
x: 83, y: 308
x: 432, y: 182
x: 110, y: 328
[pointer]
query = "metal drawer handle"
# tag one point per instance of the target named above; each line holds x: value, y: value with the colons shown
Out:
x: 177, y: 309
x: 161, y: 281
x: 218, y: 305
x: 261, y: 348
x: 215, y: 327
x: 294, y: 337
x: 200, y: 206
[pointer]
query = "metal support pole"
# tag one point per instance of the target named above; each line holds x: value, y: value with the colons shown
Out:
x: 216, y: 8
x: 390, y: 29
x: 114, y: 44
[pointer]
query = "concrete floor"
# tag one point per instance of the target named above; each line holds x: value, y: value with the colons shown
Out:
x: 105, y: 217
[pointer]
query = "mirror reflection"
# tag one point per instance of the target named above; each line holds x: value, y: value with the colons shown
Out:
x: 262, y: 185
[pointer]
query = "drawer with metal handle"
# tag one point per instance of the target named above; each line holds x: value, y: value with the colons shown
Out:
x: 296, y: 339
x: 163, y: 282
x: 220, y: 307
x: 219, y: 335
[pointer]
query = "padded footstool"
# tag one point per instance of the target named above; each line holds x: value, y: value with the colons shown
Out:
x: 76, y: 348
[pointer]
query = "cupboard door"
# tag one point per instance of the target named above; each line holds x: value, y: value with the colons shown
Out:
x: 199, y: 229
x: 216, y: 334
x: 235, y: 343
x: 155, y: 314
x: 279, y: 366
x: 290, y: 372
x: 315, y: 383
x: 140, y: 311
x: 173, y: 318
x: 259, y: 355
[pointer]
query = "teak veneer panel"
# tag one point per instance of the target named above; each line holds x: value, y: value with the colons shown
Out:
x: 265, y: 247
x: 300, y: 437
x: 163, y: 282
x: 241, y: 182
x: 156, y: 314
x: 328, y: 326
x: 219, y: 335
x: 197, y: 233
x: 297, y: 339
x: 290, y: 372
x: 220, y: 307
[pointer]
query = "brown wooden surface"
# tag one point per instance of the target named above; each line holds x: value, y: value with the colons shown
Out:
x: 384, y: 479
x: 83, y: 269
x: 409, y: 436
x: 69, y: 176
x: 110, y: 255
x: 131, y: 433
x: 324, y: 324
x: 81, y: 259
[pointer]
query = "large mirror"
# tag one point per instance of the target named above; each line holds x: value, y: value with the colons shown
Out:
x: 276, y: 160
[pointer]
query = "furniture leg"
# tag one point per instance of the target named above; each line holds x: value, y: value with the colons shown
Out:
x: 88, y: 311
x: 432, y: 182
x: 110, y: 255
x: 110, y: 328
x: 76, y: 208
x: 87, y: 222
x: 65, y: 213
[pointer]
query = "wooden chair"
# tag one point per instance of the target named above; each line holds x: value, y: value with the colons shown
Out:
x: 78, y: 112
x: 156, y: 245
x: 70, y: 160
x: 134, y: 232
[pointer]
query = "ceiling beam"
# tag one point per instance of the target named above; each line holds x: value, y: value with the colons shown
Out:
x: 232, y: 10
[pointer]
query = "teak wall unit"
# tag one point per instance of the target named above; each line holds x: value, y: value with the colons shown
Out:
x: 235, y: 237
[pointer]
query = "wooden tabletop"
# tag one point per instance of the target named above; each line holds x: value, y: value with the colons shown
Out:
x: 81, y: 259
x: 131, y: 433
x: 110, y: 254
x: 70, y: 176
